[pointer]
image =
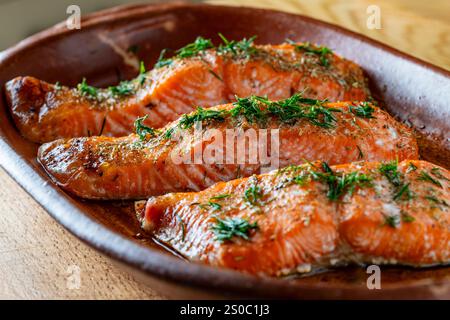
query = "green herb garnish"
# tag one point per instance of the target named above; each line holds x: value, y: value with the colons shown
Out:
x: 192, y: 49
x: 340, y: 184
x: 142, y: 130
x: 226, y: 229
x: 124, y: 88
x: 256, y: 108
x: 220, y: 196
x: 200, y: 115
x: 407, y: 218
x: 242, y: 48
x: 212, y: 202
x: 390, y: 171
x: 215, y: 75
x: 87, y: 90
x: 321, y: 51
x: 403, y: 192
x: 424, y: 176
x: 250, y: 108
x: 142, y: 76
x: 360, y: 153
x: 437, y: 173
x: 162, y: 62
x: 364, y: 110
x: 392, y: 221
x: 411, y: 167
x: 435, y: 200
x: 253, y: 194
x: 102, y: 127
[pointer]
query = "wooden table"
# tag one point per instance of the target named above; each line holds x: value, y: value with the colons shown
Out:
x: 39, y: 259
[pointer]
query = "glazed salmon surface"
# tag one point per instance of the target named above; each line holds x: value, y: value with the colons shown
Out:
x: 199, y: 75
x: 300, y: 218
x: 155, y: 162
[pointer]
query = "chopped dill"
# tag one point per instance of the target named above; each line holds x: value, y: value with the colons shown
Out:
x: 407, y: 217
x: 124, y: 88
x: 212, y: 202
x: 360, y: 153
x: 192, y: 49
x: 215, y: 74
x: 435, y: 200
x: 392, y: 221
x: 411, y: 167
x: 200, y: 115
x: 250, y: 108
x: 403, y: 192
x: 243, y: 48
x: 142, y: 130
x: 437, y: 173
x: 253, y: 194
x: 142, y: 76
x: 162, y: 62
x: 296, y: 107
x: 340, y: 184
x: 321, y: 51
x: 390, y: 171
x: 87, y: 90
x: 424, y: 176
x: 364, y: 110
x: 228, y: 228
x: 220, y: 196
x: 103, y: 126
x: 168, y: 133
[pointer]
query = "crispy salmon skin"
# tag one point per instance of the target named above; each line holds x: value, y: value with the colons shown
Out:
x: 264, y: 134
x: 300, y: 218
x: 199, y: 74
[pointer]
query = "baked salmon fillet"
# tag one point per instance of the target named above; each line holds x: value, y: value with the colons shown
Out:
x: 300, y: 218
x: 250, y: 136
x: 199, y: 74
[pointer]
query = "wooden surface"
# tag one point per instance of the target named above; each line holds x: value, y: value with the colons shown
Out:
x: 40, y: 260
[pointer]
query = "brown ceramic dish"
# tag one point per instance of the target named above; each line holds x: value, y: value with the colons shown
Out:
x: 414, y: 91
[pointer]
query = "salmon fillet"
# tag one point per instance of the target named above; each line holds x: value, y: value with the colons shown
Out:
x: 44, y: 112
x: 300, y: 218
x: 264, y: 135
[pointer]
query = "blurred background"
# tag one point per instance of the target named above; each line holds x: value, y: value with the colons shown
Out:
x: 420, y: 28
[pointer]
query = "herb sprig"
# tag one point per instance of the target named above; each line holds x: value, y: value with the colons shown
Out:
x: 424, y: 176
x: 390, y: 171
x: 340, y: 184
x: 213, y: 202
x: 253, y: 194
x: 244, y: 48
x: 87, y: 90
x: 363, y: 110
x: 200, y: 115
x: 228, y: 228
x: 321, y: 51
x: 192, y: 49
x: 142, y: 130
x: 124, y: 88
